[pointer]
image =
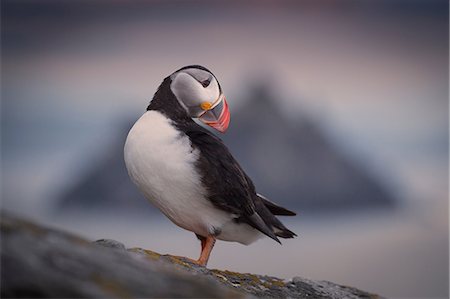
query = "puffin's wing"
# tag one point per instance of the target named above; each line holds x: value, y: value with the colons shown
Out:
x: 227, y: 184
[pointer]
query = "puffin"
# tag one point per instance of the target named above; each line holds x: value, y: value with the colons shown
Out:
x: 189, y: 174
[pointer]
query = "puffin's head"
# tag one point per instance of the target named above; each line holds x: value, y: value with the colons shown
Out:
x: 199, y: 93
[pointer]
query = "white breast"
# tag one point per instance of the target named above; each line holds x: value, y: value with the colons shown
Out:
x: 161, y: 162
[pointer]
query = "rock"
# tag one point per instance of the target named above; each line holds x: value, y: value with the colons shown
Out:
x: 43, y: 263
x: 262, y: 285
x: 111, y: 244
x: 39, y: 262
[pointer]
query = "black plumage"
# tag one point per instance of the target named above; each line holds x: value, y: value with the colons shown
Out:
x: 230, y: 188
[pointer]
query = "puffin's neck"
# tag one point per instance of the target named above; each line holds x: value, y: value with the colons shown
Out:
x: 165, y: 102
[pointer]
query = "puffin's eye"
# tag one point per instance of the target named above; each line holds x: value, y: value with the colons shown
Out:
x: 205, y: 83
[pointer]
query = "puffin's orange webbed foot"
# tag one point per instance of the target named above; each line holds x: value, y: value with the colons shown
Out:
x: 207, y: 246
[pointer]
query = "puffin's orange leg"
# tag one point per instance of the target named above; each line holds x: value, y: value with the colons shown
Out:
x: 207, y: 246
x: 202, y: 240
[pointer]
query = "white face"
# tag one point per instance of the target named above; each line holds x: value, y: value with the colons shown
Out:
x: 194, y: 89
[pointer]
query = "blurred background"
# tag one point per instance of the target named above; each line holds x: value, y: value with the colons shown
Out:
x: 339, y: 111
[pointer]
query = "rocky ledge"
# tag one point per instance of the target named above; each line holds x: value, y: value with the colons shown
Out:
x: 38, y: 262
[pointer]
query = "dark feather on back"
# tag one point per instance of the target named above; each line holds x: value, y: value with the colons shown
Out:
x: 230, y: 188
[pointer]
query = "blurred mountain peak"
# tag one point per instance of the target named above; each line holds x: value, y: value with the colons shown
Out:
x: 291, y: 162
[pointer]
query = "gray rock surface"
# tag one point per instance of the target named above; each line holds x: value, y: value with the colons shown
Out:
x: 38, y: 262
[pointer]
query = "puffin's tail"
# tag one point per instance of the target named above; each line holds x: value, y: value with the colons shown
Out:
x: 267, y: 210
x: 274, y: 208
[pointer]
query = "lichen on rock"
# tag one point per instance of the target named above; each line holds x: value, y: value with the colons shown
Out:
x: 262, y: 285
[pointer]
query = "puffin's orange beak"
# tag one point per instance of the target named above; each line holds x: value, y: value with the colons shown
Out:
x: 217, y: 117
